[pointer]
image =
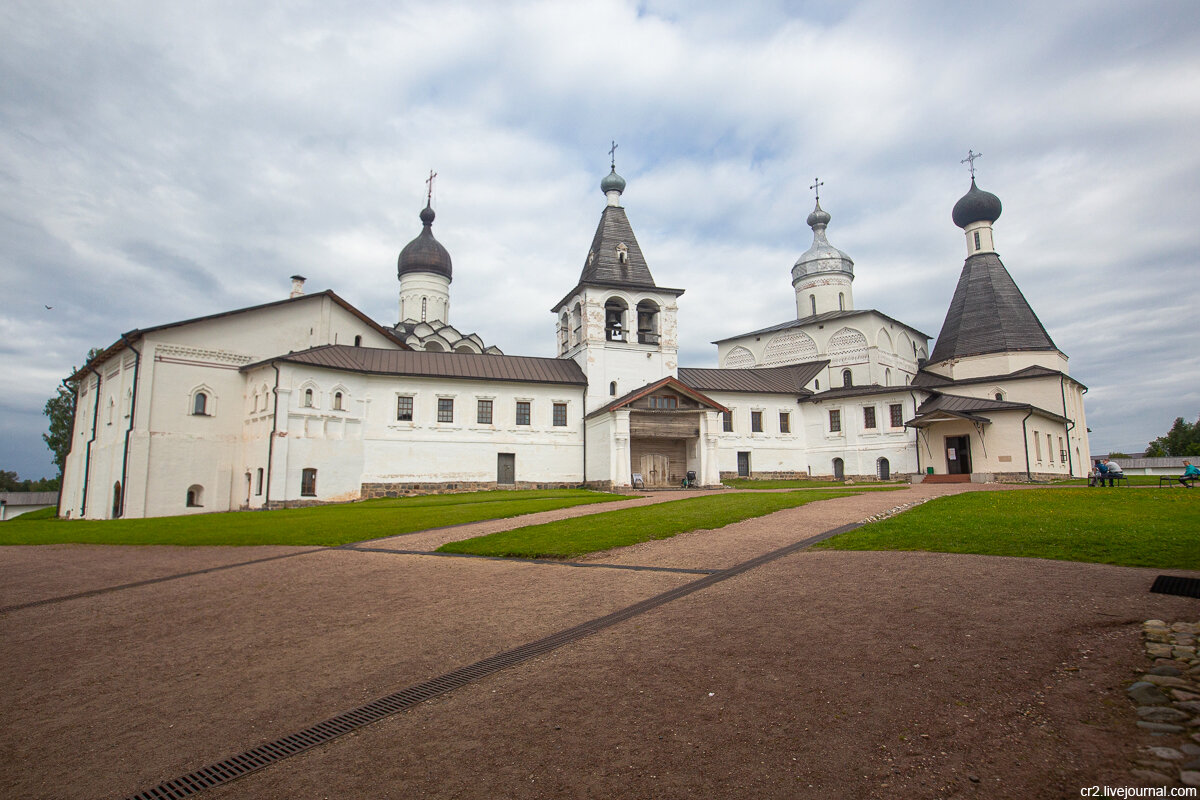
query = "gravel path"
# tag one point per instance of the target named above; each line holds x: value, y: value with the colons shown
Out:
x: 820, y: 674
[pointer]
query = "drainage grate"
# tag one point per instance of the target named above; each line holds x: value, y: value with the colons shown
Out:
x: 266, y: 754
x: 1173, y: 584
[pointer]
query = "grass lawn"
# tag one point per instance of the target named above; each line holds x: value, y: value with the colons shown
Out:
x: 571, y: 538
x: 1133, y: 529
x: 318, y: 525
x: 1134, y: 480
x: 801, y: 483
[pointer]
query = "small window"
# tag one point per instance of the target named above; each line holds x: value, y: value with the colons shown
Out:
x: 358, y: 341
x: 664, y: 401
x: 612, y: 389
x: 727, y: 421
x: 812, y: 300
x: 1050, y: 448
x: 195, y: 496
x: 835, y: 420
x: 841, y: 301
x: 785, y: 422
x: 622, y: 254
x: 1037, y: 445
x: 523, y: 412
x: 445, y: 409
x: 404, y: 409
x: 308, y: 398
x: 258, y: 482
x: 847, y: 378
x: 869, y: 417
x: 424, y: 306
x: 560, y: 414
x: 337, y: 401
x: 976, y: 240
x: 756, y: 421
x: 817, y: 384
x: 897, y: 413
x: 999, y: 395
x: 483, y: 412
x: 200, y: 405
x: 887, y: 377
x: 308, y: 482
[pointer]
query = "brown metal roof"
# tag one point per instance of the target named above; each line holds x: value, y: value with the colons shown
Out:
x: 972, y: 408
x: 925, y: 378
x: 790, y: 379
x: 377, y: 361
x: 857, y: 391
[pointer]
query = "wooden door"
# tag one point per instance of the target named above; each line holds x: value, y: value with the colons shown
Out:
x: 958, y: 455
x: 744, y: 464
x: 656, y: 469
x: 506, y: 468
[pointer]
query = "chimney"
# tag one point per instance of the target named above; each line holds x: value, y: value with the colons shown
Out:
x: 297, y: 286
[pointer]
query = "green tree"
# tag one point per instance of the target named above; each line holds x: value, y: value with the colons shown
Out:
x: 60, y: 409
x: 1182, y: 440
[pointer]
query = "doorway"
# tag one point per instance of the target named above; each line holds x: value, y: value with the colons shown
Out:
x: 883, y: 469
x: 506, y: 469
x: 839, y: 470
x: 744, y: 464
x: 958, y: 455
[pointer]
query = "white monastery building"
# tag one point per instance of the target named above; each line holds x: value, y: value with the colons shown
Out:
x: 308, y: 400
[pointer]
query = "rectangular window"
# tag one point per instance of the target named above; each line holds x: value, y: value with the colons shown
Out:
x: 522, y: 412
x: 308, y: 482
x: 1049, y: 448
x: 258, y: 483
x: 483, y: 414
x: 727, y: 421
x: 445, y: 409
x: 404, y: 409
x: 785, y: 422
x: 1037, y: 445
x: 560, y: 414
x: 756, y: 421
x: 869, y: 417
x: 667, y: 401
x: 835, y: 420
x: 897, y: 412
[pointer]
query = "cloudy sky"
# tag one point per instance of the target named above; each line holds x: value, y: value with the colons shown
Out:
x: 160, y: 161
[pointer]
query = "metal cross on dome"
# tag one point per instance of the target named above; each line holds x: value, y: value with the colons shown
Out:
x: 613, y: 153
x: 429, y: 189
x: 817, y: 184
x: 970, y: 159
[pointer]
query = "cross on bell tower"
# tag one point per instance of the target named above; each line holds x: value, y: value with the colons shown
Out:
x: 429, y: 188
x: 817, y: 184
x: 970, y: 159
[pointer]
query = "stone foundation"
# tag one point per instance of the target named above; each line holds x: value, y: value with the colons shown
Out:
x: 767, y: 476
x: 373, y: 490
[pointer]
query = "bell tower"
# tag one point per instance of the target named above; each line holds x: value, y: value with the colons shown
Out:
x: 617, y: 323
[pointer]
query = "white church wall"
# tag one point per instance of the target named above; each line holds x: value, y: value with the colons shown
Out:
x: 858, y: 444
x: 404, y: 455
x: 774, y: 452
x: 1000, y: 364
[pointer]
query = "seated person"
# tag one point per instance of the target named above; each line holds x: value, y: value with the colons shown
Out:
x: 1099, y: 472
x: 1190, y: 472
x: 1094, y: 474
x: 1113, y: 472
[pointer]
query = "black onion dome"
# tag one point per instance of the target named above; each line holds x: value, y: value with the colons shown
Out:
x: 976, y: 206
x: 424, y: 253
x: 612, y: 182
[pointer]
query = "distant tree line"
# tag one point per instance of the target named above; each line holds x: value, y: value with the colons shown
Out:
x: 11, y: 482
x: 1182, y: 440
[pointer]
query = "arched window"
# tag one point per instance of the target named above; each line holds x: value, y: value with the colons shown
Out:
x: 622, y: 254
x: 847, y: 378
x: 258, y: 481
x: 308, y: 482
x: 612, y: 389
x: 999, y: 396
x: 577, y: 324
x: 887, y: 377
x: 337, y: 401
x: 358, y: 341
x: 812, y: 299
x: 841, y: 301
x: 200, y: 404
x: 308, y: 398
x: 424, y: 306
x: 195, y: 496
x: 614, y: 319
x: 111, y: 407
x: 647, y: 312
x: 564, y: 332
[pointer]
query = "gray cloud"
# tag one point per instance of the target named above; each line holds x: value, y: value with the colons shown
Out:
x: 159, y: 161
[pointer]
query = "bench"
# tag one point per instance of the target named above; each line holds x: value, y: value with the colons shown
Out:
x: 1118, y: 480
x: 1173, y: 480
